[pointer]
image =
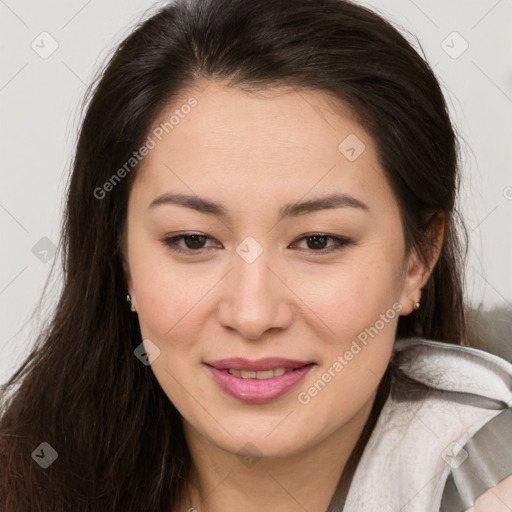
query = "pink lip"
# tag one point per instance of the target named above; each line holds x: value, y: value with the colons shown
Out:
x: 258, y: 390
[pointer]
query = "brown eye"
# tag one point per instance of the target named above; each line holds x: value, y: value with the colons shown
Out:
x: 193, y: 242
x: 190, y: 243
x: 317, y: 242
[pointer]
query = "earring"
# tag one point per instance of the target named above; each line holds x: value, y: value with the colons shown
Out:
x: 417, y: 306
x: 129, y: 299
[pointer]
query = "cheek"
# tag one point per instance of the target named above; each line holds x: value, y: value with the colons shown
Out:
x: 351, y: 297
x: 169, y: 302
x: 347, y: 298
x: 360, y: 308
x: 167, y: 293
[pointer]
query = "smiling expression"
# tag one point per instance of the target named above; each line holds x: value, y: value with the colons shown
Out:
x: 252, y: 233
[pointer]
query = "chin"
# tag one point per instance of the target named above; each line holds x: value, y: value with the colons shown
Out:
x: 268, y: 437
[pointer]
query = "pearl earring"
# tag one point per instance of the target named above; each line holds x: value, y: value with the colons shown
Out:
x: 129, y: 299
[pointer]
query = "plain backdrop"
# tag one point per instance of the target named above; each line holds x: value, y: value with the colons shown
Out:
x: 51, y: 50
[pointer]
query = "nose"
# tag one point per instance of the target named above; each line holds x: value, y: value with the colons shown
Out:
x: 255, y: 298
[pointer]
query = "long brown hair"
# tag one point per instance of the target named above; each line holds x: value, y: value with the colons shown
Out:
x: 119, y: 439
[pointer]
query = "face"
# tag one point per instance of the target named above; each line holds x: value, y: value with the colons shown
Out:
x: 290, y: 246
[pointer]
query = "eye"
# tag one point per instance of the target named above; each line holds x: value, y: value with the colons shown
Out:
x: 195, y: 243
x: 317, y: 243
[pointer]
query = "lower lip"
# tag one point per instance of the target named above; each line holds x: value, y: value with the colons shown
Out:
x: 258, y: 391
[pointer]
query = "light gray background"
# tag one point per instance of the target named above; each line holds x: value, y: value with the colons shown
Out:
x: 40, y: 111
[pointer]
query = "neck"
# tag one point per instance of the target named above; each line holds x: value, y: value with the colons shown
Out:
x: 305, y: 480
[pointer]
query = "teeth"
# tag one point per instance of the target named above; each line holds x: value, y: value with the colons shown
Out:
x: 267, y: 374
x: 261, y: 375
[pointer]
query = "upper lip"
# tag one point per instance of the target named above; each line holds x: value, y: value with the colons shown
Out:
x: 267, y: 363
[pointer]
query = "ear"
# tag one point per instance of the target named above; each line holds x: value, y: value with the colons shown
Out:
x: 418, y: 268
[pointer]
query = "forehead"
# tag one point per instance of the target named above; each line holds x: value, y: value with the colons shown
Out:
x: 278, y: 143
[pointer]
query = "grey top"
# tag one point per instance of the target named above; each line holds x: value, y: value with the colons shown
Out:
x: 440, y: 444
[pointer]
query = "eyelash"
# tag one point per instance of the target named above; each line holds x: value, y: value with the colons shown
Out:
x: 340, y: 243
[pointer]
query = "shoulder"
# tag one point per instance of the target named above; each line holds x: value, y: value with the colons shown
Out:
x: 430, y: 434
x: 482, y: 478
x: 480, y: 463
x: 495, y: 499
x: 464, y: 374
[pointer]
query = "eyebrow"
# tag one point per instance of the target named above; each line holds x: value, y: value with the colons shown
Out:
x: 207, y: 206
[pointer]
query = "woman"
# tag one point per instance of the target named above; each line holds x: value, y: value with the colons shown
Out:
x: 271, y: 185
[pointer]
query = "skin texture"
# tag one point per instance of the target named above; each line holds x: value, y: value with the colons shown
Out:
x: 496, y: 499
x: 254, y: 153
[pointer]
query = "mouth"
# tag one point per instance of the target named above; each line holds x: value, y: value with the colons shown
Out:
x: 259, y: 365
x: 260, y: 375
x: 258, y: 381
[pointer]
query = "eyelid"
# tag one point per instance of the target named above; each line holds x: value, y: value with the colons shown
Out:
x: 171, y: 241
x: 340, y: 243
